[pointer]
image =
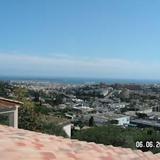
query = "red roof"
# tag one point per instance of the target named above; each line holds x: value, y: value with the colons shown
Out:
x: 18, y: 144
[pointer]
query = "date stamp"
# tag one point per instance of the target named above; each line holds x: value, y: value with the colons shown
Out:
x: 147, y: 144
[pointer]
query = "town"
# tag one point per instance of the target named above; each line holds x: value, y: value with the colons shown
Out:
x: 127, y: 105
x: 93, y: 112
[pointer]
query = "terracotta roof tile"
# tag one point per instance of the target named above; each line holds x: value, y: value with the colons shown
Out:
x: 18, y: 144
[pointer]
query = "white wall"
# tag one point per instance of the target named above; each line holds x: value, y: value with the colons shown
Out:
x: 123, y: 120
x: 67, y: 129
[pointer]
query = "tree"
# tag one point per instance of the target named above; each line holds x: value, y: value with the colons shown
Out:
x: 21, y: 93
x: 36, y: 96
x: 4, y: 86
x: 32, y: 119
x: 28, y: 118
x: 141, y: 115
x: 117, y: 136
x: 91, y: 122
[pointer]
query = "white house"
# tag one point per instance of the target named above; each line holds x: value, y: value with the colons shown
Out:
x: 123, y: 120
x: 102, y: 119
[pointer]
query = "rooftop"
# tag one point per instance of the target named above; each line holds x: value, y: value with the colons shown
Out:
x: 109, y: 115
x: 6, y: 104
x: 18, y: 144
x: 151, y: 123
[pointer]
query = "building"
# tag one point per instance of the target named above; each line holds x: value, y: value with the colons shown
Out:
x: 122, y: 120
x: 82, y: 109
x: 145, y: 111
x: 144, y: 123
x: 102, y: 119
x: 67, y: 129
x: 19, y: 144
x: 9, y: 109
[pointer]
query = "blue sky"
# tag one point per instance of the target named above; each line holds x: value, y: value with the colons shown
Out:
x: 80, y: 38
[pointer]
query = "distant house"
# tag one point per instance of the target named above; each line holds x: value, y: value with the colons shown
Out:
x: 145, y: 123
x: 9, y: 109
x: 145, y: 110
x: 83, y: 109
x: 102, y: 119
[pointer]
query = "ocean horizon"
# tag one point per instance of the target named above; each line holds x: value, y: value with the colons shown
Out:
x: 83, y: 80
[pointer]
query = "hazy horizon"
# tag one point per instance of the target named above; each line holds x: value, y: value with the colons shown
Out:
x: 80, y: 80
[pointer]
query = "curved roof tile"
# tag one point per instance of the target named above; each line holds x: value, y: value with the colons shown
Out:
x: 18, y: 144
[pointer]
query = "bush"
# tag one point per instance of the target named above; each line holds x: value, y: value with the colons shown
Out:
x: 117, y: 136
x: 32, y: 120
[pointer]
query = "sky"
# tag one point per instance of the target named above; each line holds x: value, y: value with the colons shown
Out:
x: 80, y: 38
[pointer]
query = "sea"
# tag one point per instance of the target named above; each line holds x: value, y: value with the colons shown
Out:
x: 75, y: 80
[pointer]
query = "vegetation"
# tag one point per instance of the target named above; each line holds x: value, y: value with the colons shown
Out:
x: 32, y: 115
x: 32, y: 119
x: 91, y: 121
x: 4, y: 86
x: 36, y: 117
x: 117, y: 136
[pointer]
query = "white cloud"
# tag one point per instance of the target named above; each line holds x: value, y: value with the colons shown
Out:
x: 16, y: 64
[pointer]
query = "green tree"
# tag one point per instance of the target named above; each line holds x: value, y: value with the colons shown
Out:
x: 28, y: 118
x: 4, y: 86
x: 31, y: 114
x: 91, y: 122
x: 21, y: 93
x: 117, y: 136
